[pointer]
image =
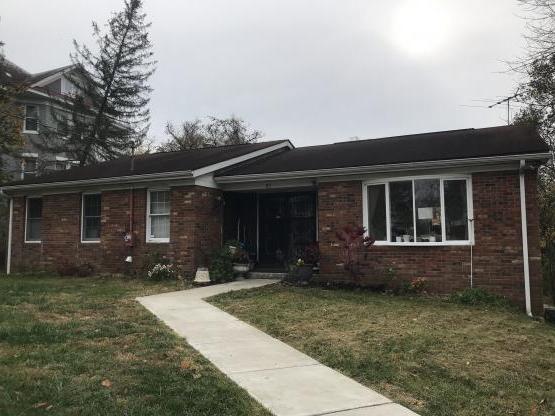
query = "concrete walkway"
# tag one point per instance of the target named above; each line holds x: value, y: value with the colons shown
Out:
x: 284, y: 380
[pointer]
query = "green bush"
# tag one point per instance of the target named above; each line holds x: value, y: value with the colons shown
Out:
x: 478, y: 297
x: 221, y: 265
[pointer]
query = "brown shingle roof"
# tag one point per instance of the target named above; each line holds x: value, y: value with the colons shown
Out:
x: 445, y: 145
x: 151, y: 163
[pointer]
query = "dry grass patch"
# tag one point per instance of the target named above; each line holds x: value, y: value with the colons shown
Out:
x: 434, y: 356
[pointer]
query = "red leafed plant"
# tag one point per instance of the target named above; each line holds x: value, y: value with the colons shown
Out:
x: 354, y: 244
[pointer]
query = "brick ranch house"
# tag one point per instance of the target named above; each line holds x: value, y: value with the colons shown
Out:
x: 445, y: 206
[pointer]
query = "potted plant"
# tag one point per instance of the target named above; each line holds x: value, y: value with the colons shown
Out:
x: 301, y: 271
x: 241, y: 262
x: 202, y: 275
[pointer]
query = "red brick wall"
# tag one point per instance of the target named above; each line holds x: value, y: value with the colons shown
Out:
x: 195, y: 222
x: 497, y: 254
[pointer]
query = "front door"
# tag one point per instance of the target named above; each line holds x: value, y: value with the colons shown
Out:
x: 287, y: 226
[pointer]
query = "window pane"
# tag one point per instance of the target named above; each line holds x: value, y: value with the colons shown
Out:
x: 402, y: 220
x: 160, y: 226
x: 34, y: 208
x: 31, y: 118
x: 33, y: 229
x: 456, y: 215
x: 92, y: 209
x: 31, y: 111
x: 428, y: 210
x: 30, y: 165
x: 376, y: 212
x: 160, y: 202
x: 92, y: 228
x: 91, y: 205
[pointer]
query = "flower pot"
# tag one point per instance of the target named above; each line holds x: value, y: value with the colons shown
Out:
x: 241, y: 269
x: 304, y: 273
x: 202, y: 275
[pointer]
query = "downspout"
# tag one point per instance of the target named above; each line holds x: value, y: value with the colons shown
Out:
x: 9, y: 253
x: 525, y: 239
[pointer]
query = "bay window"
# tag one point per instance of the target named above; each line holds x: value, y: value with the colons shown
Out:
x: 427, y: 210
x: 158, y: 216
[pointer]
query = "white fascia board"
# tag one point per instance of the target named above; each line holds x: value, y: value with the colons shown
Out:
x: 42, y: 94
x: 300, y: 184
x: 360, y: 170
x: 101, y: 182
x: 206, y: 181
x: 243, y: 158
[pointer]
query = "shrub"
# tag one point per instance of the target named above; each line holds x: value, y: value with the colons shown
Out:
x: 162, y: 272
x: 353, y: 242
x: 478, y: 297
x: 417, y: 285
x: 221, y: 265
x: 240, y: 255
x: 152, y: 259
x: 312, y: 253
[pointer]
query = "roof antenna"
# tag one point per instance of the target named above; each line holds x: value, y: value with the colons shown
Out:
x: 508, y: 101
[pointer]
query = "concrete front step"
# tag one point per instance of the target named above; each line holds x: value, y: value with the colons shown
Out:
x: 267, y: 275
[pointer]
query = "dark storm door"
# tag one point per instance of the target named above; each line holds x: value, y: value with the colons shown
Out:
x: 287, y: 225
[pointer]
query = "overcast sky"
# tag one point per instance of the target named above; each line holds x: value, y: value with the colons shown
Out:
x: 313, y: 71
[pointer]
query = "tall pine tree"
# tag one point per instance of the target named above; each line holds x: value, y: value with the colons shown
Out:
x: 108, y: 114
x: 11, y: 115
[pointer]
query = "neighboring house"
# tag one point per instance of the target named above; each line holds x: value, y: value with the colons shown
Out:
x: 445, y: 206
x: 37, y: 99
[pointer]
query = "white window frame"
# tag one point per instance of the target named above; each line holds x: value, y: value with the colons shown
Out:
x: 150, y: 239
x: 26, y: 221
x: 442, y: 179
x: 26, y: 157
x: 25, y: 120
x: 96, y: 240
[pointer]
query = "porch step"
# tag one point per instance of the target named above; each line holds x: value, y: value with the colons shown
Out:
x: 267, y: 275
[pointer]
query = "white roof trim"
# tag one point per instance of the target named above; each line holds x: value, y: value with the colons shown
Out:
x: 243, y: 158
x: 52, y: 77
x: 102, y: 181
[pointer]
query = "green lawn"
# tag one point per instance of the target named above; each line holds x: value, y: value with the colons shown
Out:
x: 434, y: 356
x: 84, y: 346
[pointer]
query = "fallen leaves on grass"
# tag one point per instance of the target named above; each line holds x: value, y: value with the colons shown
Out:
x: 189, y: 365
x: 106, y: 383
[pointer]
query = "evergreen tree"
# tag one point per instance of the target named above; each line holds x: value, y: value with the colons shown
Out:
x: 107, y: 116
x: 11, y: 117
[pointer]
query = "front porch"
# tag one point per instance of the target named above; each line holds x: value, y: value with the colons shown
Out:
x: 274, y: 227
